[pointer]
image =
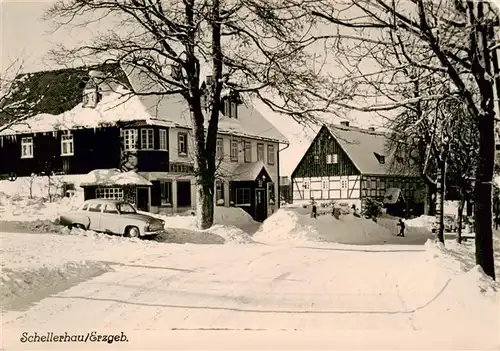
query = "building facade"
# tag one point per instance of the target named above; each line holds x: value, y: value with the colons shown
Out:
x: 348, y: 164
x: 151, y: 138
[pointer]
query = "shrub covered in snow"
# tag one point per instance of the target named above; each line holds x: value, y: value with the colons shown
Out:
x: 372, y: 208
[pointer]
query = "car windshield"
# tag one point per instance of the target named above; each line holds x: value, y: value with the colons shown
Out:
x: 126, y: 208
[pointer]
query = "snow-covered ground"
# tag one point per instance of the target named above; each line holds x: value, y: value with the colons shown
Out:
x: 288, y: 276
x: 154, y: 286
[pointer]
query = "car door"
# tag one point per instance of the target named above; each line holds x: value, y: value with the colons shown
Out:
x: 109, y: 222
x: 94, y: 214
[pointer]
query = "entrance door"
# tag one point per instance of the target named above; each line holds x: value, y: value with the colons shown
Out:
x: 260, y: 205
x: 142, y: 199
x: 183, y: 193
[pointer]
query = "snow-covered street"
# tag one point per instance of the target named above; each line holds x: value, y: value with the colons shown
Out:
x: 248, y: 287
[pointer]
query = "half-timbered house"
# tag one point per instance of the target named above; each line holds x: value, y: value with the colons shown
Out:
x: 348, y: 164
x: 78, y: 120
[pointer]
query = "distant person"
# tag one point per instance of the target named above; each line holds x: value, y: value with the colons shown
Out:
x: 355, y: 211
x: 401, y: 226
x: 314, y: 211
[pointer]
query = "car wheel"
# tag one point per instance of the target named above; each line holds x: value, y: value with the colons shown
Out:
x: 132, y: 232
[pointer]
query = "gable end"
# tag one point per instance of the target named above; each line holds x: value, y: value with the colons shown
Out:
x: 314, y: 162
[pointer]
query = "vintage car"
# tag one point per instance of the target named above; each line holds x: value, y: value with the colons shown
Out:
x: 112, y: 217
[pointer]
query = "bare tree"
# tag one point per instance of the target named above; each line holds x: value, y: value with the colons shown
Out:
x: 7, y: 87
x: 254, y: 47
x: 452, y: 40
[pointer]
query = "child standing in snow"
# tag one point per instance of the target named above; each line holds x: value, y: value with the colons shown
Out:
x: 401, y: 226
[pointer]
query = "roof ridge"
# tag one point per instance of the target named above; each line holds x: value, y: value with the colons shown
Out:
x: 63, y: 69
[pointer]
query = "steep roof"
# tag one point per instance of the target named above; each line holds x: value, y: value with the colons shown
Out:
x: 363, y: 148
x: 108, y: 177
x: 250, y: 122
x: 59, y: 93
x: 51, y: 92
x: 113, y: 108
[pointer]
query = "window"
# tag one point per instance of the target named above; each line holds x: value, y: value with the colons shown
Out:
x: 260, y: 152
x: 109, y: 193
x: 84, y: 207
x: 219, y: 193
x: 219, y: 150
x: 130, y: 138
x: 163, y: 139
x: 243, y: 197
x: 343, y: 184
x: 182, y: 142
x: 147, y: 139
x: 126, y: 208
x: 306, y: 185
x: 27, y: 147
x: 270, y: 191
x: 248, y: 151
x: 380, y: 158
x: 270, y: 154
x: 230, y: 108
x: 166, y: 193
x: 111, y: 209
x: 234, y: 150
x: 332, y: 159
x: 67, y: 145
x: 95, y: 207
x: 326, y: 185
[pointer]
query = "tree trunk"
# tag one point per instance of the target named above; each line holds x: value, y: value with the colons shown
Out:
x: 430, y: 206
x: 204, y: 204
x: 459, y: 214
x: 441, y: 192
x: 481, y: 68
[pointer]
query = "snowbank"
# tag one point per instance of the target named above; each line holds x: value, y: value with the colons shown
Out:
x: 296, y: 226
x: 17, y: 208
x: 469, y: 294
x: 421, y: 222
x: 231, y: 223
x: 286, y: 226
x: 39, y: 185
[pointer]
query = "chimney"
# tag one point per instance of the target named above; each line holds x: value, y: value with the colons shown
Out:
x: 344, y: 123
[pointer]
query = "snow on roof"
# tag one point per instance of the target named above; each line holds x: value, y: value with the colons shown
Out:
x: 361, y: 146
x: 105, y: 177
x: 173, y: 108
x: 248, y: 171
x: 114, y: 107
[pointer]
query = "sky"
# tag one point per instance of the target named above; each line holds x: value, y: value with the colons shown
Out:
x: 23, y: 34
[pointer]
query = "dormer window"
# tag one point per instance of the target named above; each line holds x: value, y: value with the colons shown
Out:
x: 380, y: 158
x: 91, y: 94
x: 229, y: 108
